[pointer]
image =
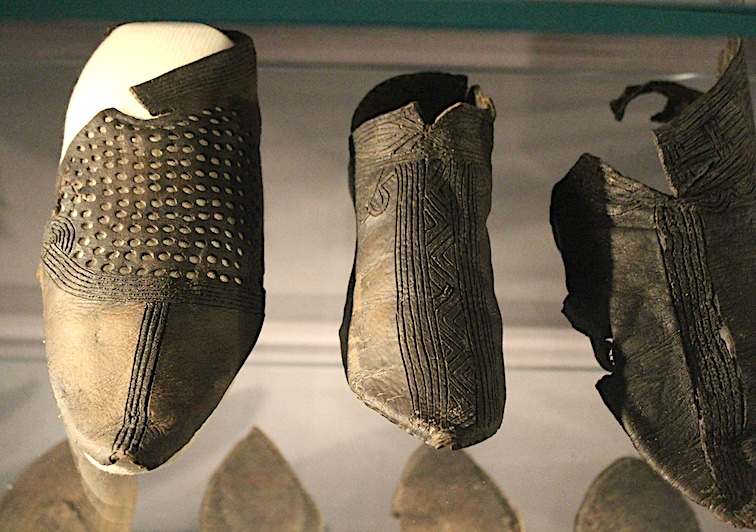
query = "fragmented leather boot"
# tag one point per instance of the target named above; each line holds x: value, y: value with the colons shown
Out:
x: 421, y: 336
x: 256, y: 489
x: 152, y: 264
x: 443, y: 489
x: 665, y: 285
x: 49, y: 495
x: 628, y: 496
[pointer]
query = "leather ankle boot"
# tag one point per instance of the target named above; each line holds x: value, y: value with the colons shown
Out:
x: 421, y: 337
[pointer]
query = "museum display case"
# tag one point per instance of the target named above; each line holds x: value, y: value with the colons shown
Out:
x: 551, y: 69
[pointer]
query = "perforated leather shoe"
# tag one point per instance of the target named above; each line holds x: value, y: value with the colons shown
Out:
x: 152, y: 264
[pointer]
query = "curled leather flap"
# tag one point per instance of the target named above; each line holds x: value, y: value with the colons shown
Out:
x: 211, y: 79
x: 670, y: 280
x: 678, y: 98
x: 708, y: 143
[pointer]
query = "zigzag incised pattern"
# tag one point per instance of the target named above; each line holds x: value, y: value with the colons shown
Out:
x: 445, y: 333
x: 670, y: 284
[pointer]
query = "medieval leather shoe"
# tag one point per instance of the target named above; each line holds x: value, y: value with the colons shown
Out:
x: 49, y: 495
x: 629, y: 496
x: 152, y: 264
x: 256, y: 489
x: 442, y: 489
x: 665, y: 285
x: 421, y: 336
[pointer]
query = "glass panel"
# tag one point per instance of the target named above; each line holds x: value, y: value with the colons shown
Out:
x: 551, y: 94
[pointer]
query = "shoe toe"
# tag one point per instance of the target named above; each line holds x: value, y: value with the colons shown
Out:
x: 135, y: 381
x: 202, y: 350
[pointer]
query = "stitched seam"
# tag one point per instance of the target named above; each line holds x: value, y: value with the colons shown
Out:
x: 718, y: 393
x: 136, y: 415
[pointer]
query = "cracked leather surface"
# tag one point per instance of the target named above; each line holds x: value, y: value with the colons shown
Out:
x: 664, y: 287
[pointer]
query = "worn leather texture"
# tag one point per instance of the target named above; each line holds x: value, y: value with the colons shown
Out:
x: 442, y: 489
x: 256, y: 489
x: 664, y: 287
x: 152, y: 263
x: 421, y: 337
x: 629, y: 496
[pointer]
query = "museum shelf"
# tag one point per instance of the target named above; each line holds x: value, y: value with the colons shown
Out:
x: 551, y: 92
x: 555, y: 439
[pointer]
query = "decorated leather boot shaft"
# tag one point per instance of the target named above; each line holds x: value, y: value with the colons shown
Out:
x: 664, y: 287
x: 421, y: 337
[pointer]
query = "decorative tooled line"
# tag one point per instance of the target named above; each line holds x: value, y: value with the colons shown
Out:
x: 717, y: 387
x: 446, y: 214
x: 136, y: 415
x: 381, y: 197
x: 402, y: 136
x: 709, y: 151
x: 62, y: 233
x: 81, y: 282
x: 415, y: 323
x: 478, y: 319
x: 445, y: 333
